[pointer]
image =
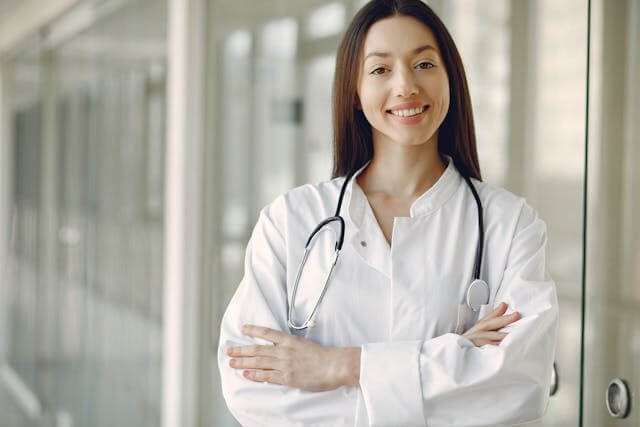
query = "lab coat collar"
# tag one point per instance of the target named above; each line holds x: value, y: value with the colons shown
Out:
x: 356, y: 201
x: 367, y: 238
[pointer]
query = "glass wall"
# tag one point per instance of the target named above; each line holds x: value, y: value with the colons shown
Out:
x: 85, y: 283
x: 526, y: 66
x: 25, y: 215
x: 611, y: 378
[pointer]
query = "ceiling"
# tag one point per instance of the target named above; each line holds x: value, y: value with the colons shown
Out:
x: 140, y: 25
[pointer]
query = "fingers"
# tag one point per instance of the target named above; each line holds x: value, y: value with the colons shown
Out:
x: 494, y: 336
x: 498, y: 322
x: 480, y: 338
x: 253, y: 350
x: 495, y: 320
x: 499, y: 311
x: 488, y: 335
x: 268, y: 334
x: 268, y: 363
x: 485, y: 331
x: 260, y: 376
x: 276, y: 337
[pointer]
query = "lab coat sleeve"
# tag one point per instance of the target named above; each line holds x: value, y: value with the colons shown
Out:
x: 447, y: 381
x: 260, y: 299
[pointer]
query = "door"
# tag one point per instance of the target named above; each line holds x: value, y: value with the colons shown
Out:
x: 611, y: 353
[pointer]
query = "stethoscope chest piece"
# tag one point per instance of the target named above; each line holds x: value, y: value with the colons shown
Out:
x: 477, y: 294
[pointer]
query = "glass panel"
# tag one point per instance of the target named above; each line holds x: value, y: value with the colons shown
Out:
x: 88, y: 111
x: 325, y: 20
x: 111, y: 106
x: 317, y: 131
x: 275, y: 101
x: 612, y: 295
x: 23, y: 279
x: 482, y: 35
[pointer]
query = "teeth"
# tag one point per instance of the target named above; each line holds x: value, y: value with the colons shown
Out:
x: 408, y: 113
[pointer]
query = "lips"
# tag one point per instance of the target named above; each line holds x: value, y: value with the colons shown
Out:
x: 421, y: 106
x: 426, y: 107
x: 407, y: 106
x: 410, y: 120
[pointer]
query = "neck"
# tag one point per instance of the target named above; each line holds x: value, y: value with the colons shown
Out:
x: 402, y: 171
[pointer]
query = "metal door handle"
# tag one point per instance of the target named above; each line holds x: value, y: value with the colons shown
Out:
x: 617, y: 398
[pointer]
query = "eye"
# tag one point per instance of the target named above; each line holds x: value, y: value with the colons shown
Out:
x: 376, y: 71
x: 424, y: 65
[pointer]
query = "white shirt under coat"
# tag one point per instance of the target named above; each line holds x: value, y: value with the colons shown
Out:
x: 403, y: 306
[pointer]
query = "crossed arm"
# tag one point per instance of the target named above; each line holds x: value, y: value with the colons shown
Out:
x: 300, y: 363
x: 295, y: 362
x: 437, y: 379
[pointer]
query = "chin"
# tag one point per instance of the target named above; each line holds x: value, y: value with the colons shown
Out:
x: 407, y: 139
x: 405, y: 143
x: 412, y: 141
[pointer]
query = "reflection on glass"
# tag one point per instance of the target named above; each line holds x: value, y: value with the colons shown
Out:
x: 236, y: 114
x: 89, y: 173
x: 326, y: 20
x: 275, y: 98
x: 317, y: 122
x: 22, y: 278
x: 554, y: 179
x: 612, y: 283
x: 482, y: 35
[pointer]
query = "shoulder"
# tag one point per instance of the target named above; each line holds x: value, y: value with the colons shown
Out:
x: 309, y: 196
x: 305, y: 203
x: 316, y: 194
x: 497, y: 198
x: 506, y: 207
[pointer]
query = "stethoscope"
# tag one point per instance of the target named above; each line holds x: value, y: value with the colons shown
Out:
x: 477, y: 292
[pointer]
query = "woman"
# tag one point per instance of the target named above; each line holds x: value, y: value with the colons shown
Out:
x: 396, y: 340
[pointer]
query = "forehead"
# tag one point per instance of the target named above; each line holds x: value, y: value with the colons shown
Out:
x: 397, y: 35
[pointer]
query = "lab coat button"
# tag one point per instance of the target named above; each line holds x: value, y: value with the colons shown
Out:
x: 363, y: 243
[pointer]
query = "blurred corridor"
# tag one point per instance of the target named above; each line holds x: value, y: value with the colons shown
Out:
x: 139, y: 139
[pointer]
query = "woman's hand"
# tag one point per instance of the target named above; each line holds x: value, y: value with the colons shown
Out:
x: 484, y: 332
x: 295, y: 362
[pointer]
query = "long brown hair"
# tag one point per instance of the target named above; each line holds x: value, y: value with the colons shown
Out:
x: 352, y: 137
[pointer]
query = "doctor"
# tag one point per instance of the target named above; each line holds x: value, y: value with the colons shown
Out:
x: 393, y: 339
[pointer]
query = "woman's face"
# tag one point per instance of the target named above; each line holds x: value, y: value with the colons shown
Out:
x: 403, y: 85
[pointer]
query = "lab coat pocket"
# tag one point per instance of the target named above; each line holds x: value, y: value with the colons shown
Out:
x: 467, y: 318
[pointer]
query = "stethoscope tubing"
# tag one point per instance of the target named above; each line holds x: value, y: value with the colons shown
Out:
x: 340, y: 240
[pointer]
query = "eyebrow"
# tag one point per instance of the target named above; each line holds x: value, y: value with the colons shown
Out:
x: 415, y: 52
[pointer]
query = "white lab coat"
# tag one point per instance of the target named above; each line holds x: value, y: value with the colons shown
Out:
x: 403, y: 306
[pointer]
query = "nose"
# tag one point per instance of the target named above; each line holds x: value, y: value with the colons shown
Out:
x: 404, y: 84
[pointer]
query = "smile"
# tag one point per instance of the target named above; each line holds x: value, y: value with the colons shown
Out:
x: 410, y: 116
